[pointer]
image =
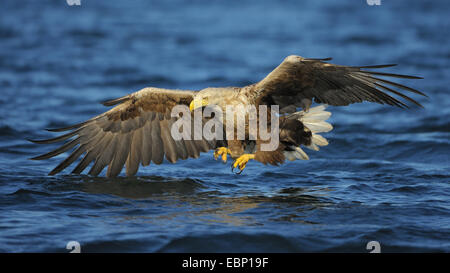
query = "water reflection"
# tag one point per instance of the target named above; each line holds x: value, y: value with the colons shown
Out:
x: 184, y: 200
x: 141, y: 187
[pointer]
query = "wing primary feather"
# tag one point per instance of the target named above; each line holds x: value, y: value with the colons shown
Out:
x: 83, y: 163
x: 93, y: 147
x: 202, y: 145
x: 75, y: 126
x: 69, y: 160
x: 67, y: 146
x: 105, y: 157
x: 399, y: 86
x: 88, y: 158
x: 120, y: 155
x: 67, y: 128
x: 56, y: 139
x: 380, y: 96
x: 390, y: 75
x: 179, y: 144
x: 374, y: 66
x: 146, y: 150
x: 168, y: 142
x: 134, y: 156
x: 191, y: 149
x: 398, y: 94
x: 157, y: 143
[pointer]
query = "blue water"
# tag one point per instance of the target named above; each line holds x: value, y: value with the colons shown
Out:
x: 384, y: 177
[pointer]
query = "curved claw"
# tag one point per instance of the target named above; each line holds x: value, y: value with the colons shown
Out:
x: 241, y: 162
x: 232, y: 168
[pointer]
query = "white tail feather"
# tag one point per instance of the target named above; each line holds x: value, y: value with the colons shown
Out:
x: 313, y: 147
x: 318, y: 108
x: 290, y: 156
x: 314, y: 120
x: 300, y: 154
x: 319, y: 140
x: 316, y: 116
x: 318, y: 126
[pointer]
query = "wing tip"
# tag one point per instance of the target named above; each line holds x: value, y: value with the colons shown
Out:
x: 375, y: 66
x: 53, y: 172
x: 41, y: 141
x: 39, y: 157
x: 75, y: 126
x: 33, y: 140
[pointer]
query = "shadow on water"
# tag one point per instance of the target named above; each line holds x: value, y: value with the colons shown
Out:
x: 163, y: 199
x: 141, y: 187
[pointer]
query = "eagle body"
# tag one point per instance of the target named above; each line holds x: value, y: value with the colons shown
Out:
x: 138, y: 129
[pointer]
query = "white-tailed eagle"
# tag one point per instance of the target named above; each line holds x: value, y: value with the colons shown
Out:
x: 137, y: 131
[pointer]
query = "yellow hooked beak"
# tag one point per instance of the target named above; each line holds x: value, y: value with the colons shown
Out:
x: 196, y: 103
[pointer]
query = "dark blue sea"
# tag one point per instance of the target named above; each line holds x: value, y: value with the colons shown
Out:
x: 384, y: 177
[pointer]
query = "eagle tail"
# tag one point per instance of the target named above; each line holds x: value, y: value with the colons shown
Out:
x: 315, y: 121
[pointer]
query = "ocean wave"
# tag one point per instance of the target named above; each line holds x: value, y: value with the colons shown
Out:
x: 8, y: 131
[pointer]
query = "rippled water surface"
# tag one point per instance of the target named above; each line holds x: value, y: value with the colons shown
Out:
x: 384, y: 176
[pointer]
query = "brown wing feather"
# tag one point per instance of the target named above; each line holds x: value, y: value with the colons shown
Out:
x: 135, y: 131
x: 297, y: 78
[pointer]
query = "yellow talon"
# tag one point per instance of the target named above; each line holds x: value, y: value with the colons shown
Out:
x: 242, y: 161
x: 222, y: 151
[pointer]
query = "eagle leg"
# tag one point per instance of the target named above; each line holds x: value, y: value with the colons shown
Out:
x: 222, y: 151
x: 241, y: 162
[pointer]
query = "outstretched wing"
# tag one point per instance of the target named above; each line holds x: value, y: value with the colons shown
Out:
x: 297, y: 79
x: 136, y: 131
